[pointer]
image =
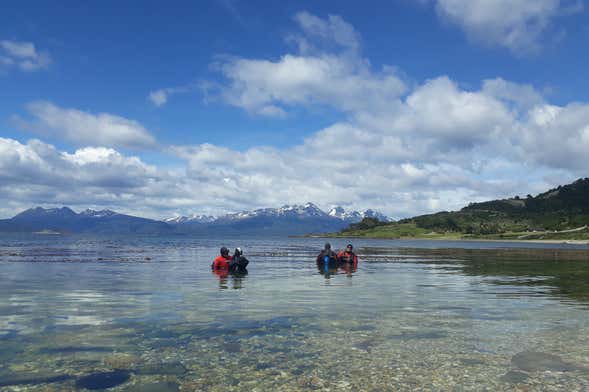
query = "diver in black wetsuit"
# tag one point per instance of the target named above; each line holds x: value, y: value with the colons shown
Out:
x: 239, y: 262
x: 327, y: 252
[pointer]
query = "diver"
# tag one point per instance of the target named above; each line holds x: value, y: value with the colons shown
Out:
x: 348, y: 256
x: 238, y: 263
x: 221, y: 263
x: 327, y: 255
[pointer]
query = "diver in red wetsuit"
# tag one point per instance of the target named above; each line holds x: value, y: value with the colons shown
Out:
x: 221, y: 263
x: 348, y: 256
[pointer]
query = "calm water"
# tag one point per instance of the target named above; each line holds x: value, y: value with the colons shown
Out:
x: 147, y: 314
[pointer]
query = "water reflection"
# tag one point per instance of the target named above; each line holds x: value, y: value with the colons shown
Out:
x: 562, y: 273
x: 335, y: 269
x: 236, y: 278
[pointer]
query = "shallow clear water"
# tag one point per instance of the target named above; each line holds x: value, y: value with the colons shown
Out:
x: 137, y: 313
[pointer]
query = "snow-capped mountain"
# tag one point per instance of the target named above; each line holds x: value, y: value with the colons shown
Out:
x: 97, y: 214
x: 340, y: 213
x: 190, y: 219
x: 355, y: 216
x: 285, y: 220
x: 288, y: 219
x: 369, y: 213
x: 302, y: 211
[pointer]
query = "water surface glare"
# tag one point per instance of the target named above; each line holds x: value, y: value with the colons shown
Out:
x: 141, y: 314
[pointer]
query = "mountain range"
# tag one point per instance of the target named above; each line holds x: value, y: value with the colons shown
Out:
x: 286, y: 220
x: 65, y: 220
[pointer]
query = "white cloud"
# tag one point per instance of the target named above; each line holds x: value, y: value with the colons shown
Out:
x: 333, y: 30
x: 158, y: 97
x: 38, y: 173
x: 461, y: 118
x: 319, y: 74
x: 519, y: 25
x: 23, y: 55
x: 558, y: 136
x: 84, y: 128
x: 408, y: 144
x: 403, y: 149
x: 523, y: 96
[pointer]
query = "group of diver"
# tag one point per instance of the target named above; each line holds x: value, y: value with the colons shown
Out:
x: 227, y: 263
x: 345, y: 257
x: 237, y: 263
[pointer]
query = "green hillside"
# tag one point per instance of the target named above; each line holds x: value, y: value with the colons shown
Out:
x: 559, y: 214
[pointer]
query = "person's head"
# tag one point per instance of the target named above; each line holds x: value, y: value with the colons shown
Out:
x: 238, y: 252
x: 327, y: 246
x: 224, y: 251
x: 349, y: 248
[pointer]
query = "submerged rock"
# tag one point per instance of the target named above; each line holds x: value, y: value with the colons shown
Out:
x: 75, y: 349
x: 7, y: 380
x: 365, y: 345
x: 161, y: 386
x: 472, y: 362
x: 103, y: 380
x: 121, y: 361
x: 232, y: 347
x: 167, y: 368
x: 532, y: 361
x: 514, y: 377
x: 263, y: 366
x: 419, y: 335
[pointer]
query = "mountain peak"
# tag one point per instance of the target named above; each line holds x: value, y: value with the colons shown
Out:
x: 97, y: 214
x: 42, y: 212
x: 193, y: 218
x: 336, y: 211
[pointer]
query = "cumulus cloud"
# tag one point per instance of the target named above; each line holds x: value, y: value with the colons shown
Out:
x: 23, y: 55
x: 519, y: 25
x: 327, y: 70
x: 430, y: 138
x: 84, y: 128
x: 37, y: 172
x: 403, y: 149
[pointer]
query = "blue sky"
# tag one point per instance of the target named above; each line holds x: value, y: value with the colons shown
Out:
x: 187, y: 107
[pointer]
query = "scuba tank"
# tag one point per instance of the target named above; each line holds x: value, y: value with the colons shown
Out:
x: 326, y: 259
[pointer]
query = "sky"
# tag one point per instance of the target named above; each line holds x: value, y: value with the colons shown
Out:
x: 173, y: 108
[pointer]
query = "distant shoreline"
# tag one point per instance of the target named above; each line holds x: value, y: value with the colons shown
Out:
x: 522, y: 241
